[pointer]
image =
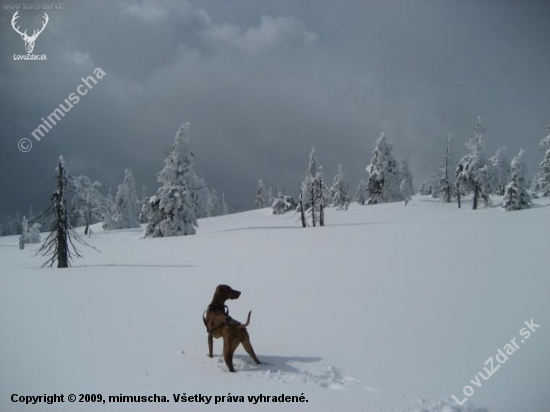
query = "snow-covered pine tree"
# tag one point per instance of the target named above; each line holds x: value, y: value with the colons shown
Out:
x: 108, y: 208
x: 406, y: 185
x: 384, y: 175
x: 270, y: 196
x: 59, y: 242
x: 339, y: 190
x: 541, y: 181
x: 319, y: 194
x: 12, y: 225
x: 361, y: 194
x: 25, y: 234
x: 214, y: 204
x: 307, y: 183
x: 260, y: 195
x: 472, y: 171
x: 500, y: 172
x: 425, y: 188
x: 6, y: 226
x: 516, y: 196
x: 172, y: 210
x: 30, y: 232
x: 34, y: 233
x: 143, y: 205
x: 88, y: 203
x: 201, y: 198
x: 444, y: 187
x: 125, y: 213
x: 278, y: 206
x: 225, y: 210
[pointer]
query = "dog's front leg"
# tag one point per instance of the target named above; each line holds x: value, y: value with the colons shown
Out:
x: 210, y: 346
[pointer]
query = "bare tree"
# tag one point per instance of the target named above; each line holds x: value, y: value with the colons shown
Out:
x: 443, y: 187
x: 59, y: 245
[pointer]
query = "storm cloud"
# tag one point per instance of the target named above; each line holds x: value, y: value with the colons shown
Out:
x: 262, y: 82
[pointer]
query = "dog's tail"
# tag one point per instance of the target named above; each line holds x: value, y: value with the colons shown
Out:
x: 204, y: 318
x: 247, y: 321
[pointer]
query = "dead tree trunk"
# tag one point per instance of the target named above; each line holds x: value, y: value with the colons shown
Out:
x: 476, y: 196
x: 313, y: 216
x: 302, y: 213
x: 62, y: 249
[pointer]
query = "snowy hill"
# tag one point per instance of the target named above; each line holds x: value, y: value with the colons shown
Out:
x: 387, y: 308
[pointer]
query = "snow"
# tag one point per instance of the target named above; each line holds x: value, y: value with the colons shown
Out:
x: 399, y: 316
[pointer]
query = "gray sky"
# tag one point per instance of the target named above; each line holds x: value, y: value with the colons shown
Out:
x: 261, y: 82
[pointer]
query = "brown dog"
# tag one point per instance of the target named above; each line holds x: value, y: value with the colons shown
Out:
x: 220, y: 325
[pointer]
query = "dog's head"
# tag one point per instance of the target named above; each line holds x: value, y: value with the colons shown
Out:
x: 226, y: 292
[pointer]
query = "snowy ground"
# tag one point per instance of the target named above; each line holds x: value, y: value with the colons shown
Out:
x: 387, y: 308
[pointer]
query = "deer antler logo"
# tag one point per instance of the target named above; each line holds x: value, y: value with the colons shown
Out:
x: 29, y: 40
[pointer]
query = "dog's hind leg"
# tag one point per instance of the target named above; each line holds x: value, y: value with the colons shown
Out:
x: 248, y: 348
x: 229, y: 347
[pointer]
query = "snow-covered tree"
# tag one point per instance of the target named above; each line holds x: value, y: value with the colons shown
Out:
x: 425, y: 188
x: 270, y: 196
x: 339, y: 190
x: 143, y: 205
x: 214, y: 204
x: 201, y: 199
x: 406, y: 185
x: 319, y: 194
x: 473, y: 170
x: 109, y: 207
x: 541, y: 181
x: 260, y: 195
x: 361, y: 194
x: 308, y: 180
x: 11, y: 226
x: 30, y: 232
x: 225, y: 210
x: 25, y: 234
x: 125, y: 214
x: 87, y: 203
x: 34, y: 233
x: 278, y: 206
x: 500, y: 172
x: 173, y: 209
x: 444, y: 187
x: 516, y: 196
x: 384, y: 174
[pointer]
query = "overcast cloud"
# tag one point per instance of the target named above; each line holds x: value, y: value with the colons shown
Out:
x: 261, y: 82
